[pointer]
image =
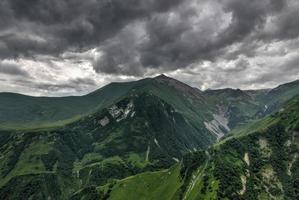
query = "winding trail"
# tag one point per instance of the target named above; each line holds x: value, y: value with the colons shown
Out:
x: 199, y: 173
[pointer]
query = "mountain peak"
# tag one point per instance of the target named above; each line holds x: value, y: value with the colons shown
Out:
x: 162, y: 76
x: 178, y: 85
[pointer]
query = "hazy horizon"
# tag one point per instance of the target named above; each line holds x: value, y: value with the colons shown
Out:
x: 88, y: 92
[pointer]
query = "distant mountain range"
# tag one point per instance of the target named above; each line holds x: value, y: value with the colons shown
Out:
x: 156, y: 138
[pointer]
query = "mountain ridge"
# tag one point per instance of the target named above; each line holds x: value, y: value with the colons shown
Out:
x: 118, y: 131
x: 262, y: 164
x: 93, y: 100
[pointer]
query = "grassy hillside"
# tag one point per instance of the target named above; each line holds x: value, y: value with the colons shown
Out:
x: 242, y: 107
x: 25, y: 112
x: 150, y: 185
x: 104, y: 144
x: 262, y: 164
x: 139, y: 133
x: 279, y: 95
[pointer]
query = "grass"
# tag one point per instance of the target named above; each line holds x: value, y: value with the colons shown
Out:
x: 40, y: 126
x: 29, y: 162
x: 241, y: 131
x: 161, y: 185
x: 199, y: 192
x: 136, y: 160
x: 103, y: 155
x: 196, y: 184
x: 27, y: 113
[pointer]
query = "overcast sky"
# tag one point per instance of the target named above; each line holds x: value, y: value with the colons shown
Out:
x: 71, y: 47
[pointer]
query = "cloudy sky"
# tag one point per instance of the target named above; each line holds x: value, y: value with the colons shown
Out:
x: 71, y: 47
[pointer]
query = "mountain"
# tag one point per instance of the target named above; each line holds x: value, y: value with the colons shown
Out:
x: 57, y: 148
x: 243, y: 106
x: 274, y: 99
x: 146, y: 125
x: 223, y: 109
x: 237, y: 106
x: 20, y: 111
x: 261, y: 164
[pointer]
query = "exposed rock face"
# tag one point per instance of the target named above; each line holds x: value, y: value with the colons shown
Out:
x: 243, y: 181
x: 246, y: 158
x: 119, y: 113
x: 104, y: 121
x: 218, y: 126
x: 265, y: 148
x: 115, y: 111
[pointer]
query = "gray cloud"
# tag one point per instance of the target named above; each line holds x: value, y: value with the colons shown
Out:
x: 194, y: 32
x: 12, y: 69
x: 169, y: 45
x: 69, y: 87
x: 136, y: 38
x: 63, y: 25
x: 173, y: 40
x: 287, y: 24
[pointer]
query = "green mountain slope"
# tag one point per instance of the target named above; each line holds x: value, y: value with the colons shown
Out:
x: 241, y: 107
x: 263, y: 164
x: 237, y: 106
x: 216, y: 110
x: 139, y: 132
x: 277, y: 96
x: 20, y: 111
x: 260, y: 165
x: 81, y: 147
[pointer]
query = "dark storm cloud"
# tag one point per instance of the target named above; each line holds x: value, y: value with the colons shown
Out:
x: 12, y: 69
x: 168, y: 47
x: 136, y: 38
x: 18, y: 45
x: 119, y: 54
x: 174, y: 40
x: 288, y: 24
x: 68, y: 24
